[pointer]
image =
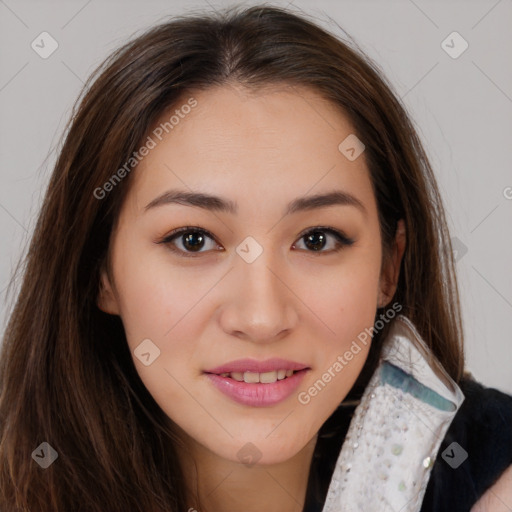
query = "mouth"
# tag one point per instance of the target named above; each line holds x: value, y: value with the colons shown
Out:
x: 252, y: 371
x: 258, y: 383
x: 257, y: 377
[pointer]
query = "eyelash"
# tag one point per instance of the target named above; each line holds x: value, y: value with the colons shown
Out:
x: 341, y: 240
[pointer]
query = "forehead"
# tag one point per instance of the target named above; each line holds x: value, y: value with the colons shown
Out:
x: 273, y: 143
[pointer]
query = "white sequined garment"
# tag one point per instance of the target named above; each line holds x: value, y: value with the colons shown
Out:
x: 396, y: 431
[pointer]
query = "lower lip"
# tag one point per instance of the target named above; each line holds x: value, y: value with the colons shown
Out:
x: 257, y: 395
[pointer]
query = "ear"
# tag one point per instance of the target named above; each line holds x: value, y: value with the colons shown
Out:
x: 391, y: 267
x: 107, y: 299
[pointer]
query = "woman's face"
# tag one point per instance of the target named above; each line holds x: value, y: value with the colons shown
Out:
x: 260, y: 283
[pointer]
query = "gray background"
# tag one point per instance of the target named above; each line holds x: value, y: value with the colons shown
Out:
x: 461, y: 106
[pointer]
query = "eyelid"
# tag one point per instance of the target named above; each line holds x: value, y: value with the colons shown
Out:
x: 337, y: 233
x: 168, y: 238
x: 184, y: 229
x: 341, y: 239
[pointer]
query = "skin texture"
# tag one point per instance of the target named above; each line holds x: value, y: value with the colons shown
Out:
x: 499, y: 497
x: 261, y: 151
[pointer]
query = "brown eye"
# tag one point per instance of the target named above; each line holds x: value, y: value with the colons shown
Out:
x: 188, y: 240
x: 193, y: 241
x: 316, y: 240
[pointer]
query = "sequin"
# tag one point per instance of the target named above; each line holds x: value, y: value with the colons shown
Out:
x: 382, y: 475
x: 397, y: 449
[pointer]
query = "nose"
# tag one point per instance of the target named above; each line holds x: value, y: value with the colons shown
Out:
x: 261, y: 308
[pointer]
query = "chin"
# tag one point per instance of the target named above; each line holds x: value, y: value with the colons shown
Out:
x: 264, y: 450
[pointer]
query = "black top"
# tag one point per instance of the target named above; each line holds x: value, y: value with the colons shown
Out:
x: 482, y: 427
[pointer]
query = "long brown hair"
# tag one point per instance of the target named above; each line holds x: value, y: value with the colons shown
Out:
x: 66, y: 374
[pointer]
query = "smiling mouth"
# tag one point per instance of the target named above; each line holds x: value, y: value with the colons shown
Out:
x: 263, y: 378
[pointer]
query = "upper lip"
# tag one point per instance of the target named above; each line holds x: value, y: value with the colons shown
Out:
x: 252, y: 365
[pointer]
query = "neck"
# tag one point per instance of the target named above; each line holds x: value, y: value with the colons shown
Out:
x: 215, y: 484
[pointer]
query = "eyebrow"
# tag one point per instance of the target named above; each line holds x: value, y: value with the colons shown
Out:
x: 219, y: 204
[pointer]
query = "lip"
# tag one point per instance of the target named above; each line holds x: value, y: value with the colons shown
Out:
x: 252, y: 365
x: 258, y: 394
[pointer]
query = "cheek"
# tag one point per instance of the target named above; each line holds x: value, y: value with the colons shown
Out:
x: 154, y: 295
x: 345, y: 298
x: 346, y: 302
x: 157, y: 310
x: 161, y: 303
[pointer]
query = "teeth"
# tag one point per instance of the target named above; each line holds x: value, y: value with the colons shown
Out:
x: 254, y: 377
x: 251, y: 378
x: 268, y: 377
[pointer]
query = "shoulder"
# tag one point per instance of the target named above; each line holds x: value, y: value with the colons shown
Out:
x: 479, y: 444
x: 497, y: 498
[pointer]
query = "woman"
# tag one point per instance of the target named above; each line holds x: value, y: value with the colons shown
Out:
x: 242, y: 240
